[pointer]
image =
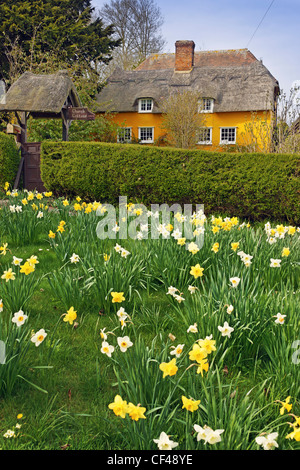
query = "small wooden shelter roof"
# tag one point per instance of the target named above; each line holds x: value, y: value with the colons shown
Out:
x: 41, y: 95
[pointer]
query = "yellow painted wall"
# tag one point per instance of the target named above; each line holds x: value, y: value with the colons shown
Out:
x: 214, y: 120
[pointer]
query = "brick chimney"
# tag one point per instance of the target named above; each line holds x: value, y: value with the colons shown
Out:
x: 184, y: 56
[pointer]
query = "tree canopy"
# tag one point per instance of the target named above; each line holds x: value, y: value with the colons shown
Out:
x: 42, y: 35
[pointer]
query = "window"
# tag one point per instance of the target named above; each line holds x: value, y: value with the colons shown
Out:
x: 205, y: 136
x: 206, y: 105
x: 124, y: 134
x: 146, y: 135
x: 145, y: 105
x: 227, y: 135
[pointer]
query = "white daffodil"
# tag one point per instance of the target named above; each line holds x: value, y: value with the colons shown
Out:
x: 107, y: 348
x: 164, y: 442
x: 268, y: 442
x: 39, y: 337
x: 226, y: 330
x: 19, y: 318
x: 124, y: 343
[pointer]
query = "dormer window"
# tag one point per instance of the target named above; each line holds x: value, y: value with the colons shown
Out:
x: 206, y: 105
x: 145, y: 105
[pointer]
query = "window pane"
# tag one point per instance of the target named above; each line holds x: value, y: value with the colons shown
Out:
x: 124, y: 135
x: 146, y: 133
x: 228, y: 134
x: 204, y: 135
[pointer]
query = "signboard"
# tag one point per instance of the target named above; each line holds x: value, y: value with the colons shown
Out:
x: 82, y: 114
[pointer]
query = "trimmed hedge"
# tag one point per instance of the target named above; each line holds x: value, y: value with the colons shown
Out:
x: 252, y: 186
x: 9, y: 159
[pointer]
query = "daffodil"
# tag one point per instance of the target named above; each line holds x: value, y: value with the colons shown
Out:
x: 196, y: 271
x: 136, y: 412
x: 177, y: 350
x: 208, y: 344
x: 27, y: 268
x: 124, y: 343
x: 215, y: 247
x: 19, y: 318
x: 279, y: 318
x: 203, y: 365
x: 117, y: 297
x: 38, y: 337
x: 235, y: 245
x: 8, y: 275
x: 226, y: 330
x: 286, y: 405
x: 168, y: 368
x: 268, y: 442
x: 197, y: 353
x: 119, y: 406
x: 164, y: 442
x: 190, y: 404
x: 285, y: 252
x: 107, y: 349
x: 70, y: 316
x: 234, y: 281
x: 207, y: 434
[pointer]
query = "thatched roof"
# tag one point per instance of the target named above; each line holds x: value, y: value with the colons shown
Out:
x: 41, y: 94
x: 235, y: 79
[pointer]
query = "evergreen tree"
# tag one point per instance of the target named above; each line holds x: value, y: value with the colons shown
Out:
x: 45, y: 35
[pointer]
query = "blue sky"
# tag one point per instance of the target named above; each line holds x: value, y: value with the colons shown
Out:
x: 230, y: 24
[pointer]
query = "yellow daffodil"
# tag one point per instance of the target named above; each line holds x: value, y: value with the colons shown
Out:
x: 215, y: 247
x: 27, y: 268
x: 196, y: 271
x: 190, y: 404
x: 208, y: 344
x: 119, y: 406
x: 136, y: 412
x: 117, y: 297
x: 286, y: 405
x: 202, y: 366
x: 168, y: 368
x: 197, y: 353
x: 70, y: 316
x: 285, y: 252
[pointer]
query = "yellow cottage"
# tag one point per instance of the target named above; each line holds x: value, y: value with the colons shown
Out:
x: 237, y: 93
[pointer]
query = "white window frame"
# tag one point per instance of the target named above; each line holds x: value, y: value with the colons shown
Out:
x: 146, y: 141
x: 146, y: 102
x: 226, y: 141
x: 203, y: 103
x: 205, y: 142
x: 124, y: 139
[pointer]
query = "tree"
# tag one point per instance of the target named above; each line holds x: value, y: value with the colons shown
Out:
x: 182, y: 118
x: 137, y: 23
x: 45, y: 35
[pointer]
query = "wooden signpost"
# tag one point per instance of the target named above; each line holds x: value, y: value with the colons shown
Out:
x: 70, y: 114
x: 82, y: 114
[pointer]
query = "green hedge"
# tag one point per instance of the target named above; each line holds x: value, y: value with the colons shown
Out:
x: 9, y: 159
x: 252, y: 186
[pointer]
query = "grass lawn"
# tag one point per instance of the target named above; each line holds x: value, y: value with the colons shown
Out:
x: 210, y: 363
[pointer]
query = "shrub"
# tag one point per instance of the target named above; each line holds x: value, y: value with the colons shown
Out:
x: 254, y: 186
x: 9, y: 159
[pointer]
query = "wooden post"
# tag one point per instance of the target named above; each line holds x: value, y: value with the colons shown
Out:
x: 65, y: 125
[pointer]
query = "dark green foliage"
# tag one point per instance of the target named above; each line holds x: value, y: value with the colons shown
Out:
x: 70, y: 30
x: 252, y: 186
x: 9, y: 159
